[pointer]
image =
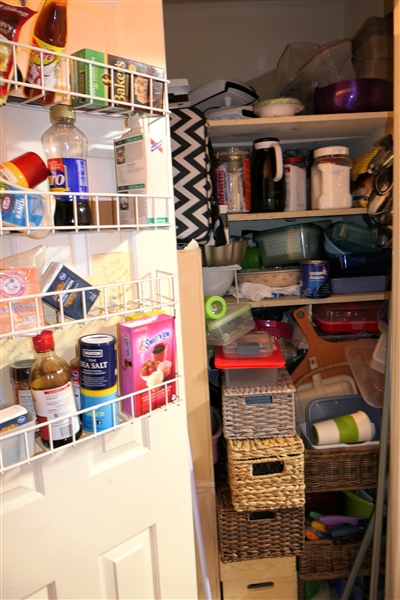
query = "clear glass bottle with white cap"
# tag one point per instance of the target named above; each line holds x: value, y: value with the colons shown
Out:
x: 330, y: 178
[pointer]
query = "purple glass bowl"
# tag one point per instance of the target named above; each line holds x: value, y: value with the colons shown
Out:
x: 354, y: 95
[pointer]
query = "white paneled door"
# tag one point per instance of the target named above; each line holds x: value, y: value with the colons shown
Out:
x: 112, y: 517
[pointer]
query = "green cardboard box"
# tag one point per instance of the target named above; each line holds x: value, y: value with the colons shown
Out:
x: 116, y: 85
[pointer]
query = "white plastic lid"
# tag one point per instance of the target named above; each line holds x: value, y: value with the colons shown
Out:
x: 330, y: 150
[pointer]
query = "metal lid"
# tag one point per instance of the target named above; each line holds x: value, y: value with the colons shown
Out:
x: 61, y: 111
x: 19, y: 370
x: 331, y: 150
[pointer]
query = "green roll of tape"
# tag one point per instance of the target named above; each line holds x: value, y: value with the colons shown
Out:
x: 214, y: 307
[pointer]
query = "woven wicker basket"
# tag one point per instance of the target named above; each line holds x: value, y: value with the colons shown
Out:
x: 266, y: 474
x: 324, y: 560
x: 341, y: 469
x: 247, y: 536
x: 259, y: 412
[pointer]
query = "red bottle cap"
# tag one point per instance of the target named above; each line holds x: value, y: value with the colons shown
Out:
x: 32, y: 167
x: 43, y: 341
x: 292, y: 159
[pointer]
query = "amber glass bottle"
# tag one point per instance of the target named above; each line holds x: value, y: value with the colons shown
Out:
x: 50, y: 33
x: 52, y: 393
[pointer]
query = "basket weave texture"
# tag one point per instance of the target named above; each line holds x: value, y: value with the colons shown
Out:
x: 251, y: 535
x: 266, y: 474
x: 324, y: 560
x: 259, y: 412
x: 341, y: 468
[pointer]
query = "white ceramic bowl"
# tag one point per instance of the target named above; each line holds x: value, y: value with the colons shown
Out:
x: 217, y: 281
x: 278, y: 107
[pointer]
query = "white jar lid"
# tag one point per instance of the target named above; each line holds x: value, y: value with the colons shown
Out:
x: 330, y: 150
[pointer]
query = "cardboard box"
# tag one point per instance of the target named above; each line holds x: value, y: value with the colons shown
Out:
x: 102, y: 82
x: 147, y: 358
x: 58, y: 277
x: 141, y: 167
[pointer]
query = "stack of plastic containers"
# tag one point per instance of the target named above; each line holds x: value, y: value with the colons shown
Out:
x: 260, y: 493
x: 373, y: 49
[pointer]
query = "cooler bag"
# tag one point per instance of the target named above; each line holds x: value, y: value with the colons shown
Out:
x: 191, y: 163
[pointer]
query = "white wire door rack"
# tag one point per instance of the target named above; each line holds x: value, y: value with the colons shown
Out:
x: 24, y: 445
x: 118, y: 299
x: 151, y: 89
x: 149, y: 212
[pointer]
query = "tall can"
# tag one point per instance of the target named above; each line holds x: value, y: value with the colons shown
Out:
x: 98, y: 371
x: 314, y: 276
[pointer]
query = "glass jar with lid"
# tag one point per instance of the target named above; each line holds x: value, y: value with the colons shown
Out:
x: 233, y: 178
x: 330, y: 178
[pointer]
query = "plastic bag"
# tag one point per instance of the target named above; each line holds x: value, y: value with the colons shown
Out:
x: 19, y: 277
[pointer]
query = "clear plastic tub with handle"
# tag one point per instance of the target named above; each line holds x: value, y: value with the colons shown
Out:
x: 330, y: 178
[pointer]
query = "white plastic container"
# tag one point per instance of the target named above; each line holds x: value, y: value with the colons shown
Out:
x: 296, y: 184
x: 330, y: 178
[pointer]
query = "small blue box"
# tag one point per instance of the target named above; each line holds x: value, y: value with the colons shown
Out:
x: 58, y: 277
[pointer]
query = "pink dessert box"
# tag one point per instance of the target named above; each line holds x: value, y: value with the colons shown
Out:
x: 147, y: 346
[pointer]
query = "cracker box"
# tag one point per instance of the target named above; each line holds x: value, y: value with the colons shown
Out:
x: 147, y: 359
x: 102, y: 82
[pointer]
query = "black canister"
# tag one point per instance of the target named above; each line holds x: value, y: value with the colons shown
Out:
x: 267, y: 176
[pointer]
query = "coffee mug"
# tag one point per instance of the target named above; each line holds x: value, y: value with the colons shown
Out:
x: 160, y: 352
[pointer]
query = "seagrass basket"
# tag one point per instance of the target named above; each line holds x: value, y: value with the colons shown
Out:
x: 260, y: 534
x: 341, y: 468
x: 322, y: 559
x: 266, y: 474
x: 259, y: 412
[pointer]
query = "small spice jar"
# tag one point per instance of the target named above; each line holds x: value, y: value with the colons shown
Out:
x: 19, y: 377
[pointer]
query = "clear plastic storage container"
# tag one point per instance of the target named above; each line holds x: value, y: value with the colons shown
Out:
x: 347, y: 317
x: 237, y: 321
x: 255, y: 344
x: 289, y: 244
x: 352, y: 238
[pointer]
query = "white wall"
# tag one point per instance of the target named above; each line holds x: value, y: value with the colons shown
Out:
x: 207, y: 41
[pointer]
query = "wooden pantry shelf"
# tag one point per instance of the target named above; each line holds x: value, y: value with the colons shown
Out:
x: 335, y: 212
x: 310, y: 129
x: 300, y: 301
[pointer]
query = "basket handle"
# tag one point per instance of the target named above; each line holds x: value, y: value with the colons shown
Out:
x: 250, y: 400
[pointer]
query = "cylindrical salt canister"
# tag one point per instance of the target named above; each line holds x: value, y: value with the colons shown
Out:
x: 98, y: 369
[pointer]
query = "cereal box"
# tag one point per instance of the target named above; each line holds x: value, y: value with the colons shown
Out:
x: 147, y: 362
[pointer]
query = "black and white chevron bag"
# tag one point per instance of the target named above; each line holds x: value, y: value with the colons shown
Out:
x: 191, y: 163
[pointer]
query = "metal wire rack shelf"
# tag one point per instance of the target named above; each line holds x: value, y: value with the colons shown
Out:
x: 151, y: 89
x: 117, y: 299
x: 145, y: 212
x: 21, y: 446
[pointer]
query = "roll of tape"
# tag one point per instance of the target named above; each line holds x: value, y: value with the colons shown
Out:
x: 214, y: 307
x: 348, y: 429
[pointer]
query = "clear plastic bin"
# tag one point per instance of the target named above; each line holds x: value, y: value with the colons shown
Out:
x: 352, y: 238
x: 237, y: 321
x: 369, y: 381
x: 250, y: 378
x: 255, y: 344
x: 289, y: 244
